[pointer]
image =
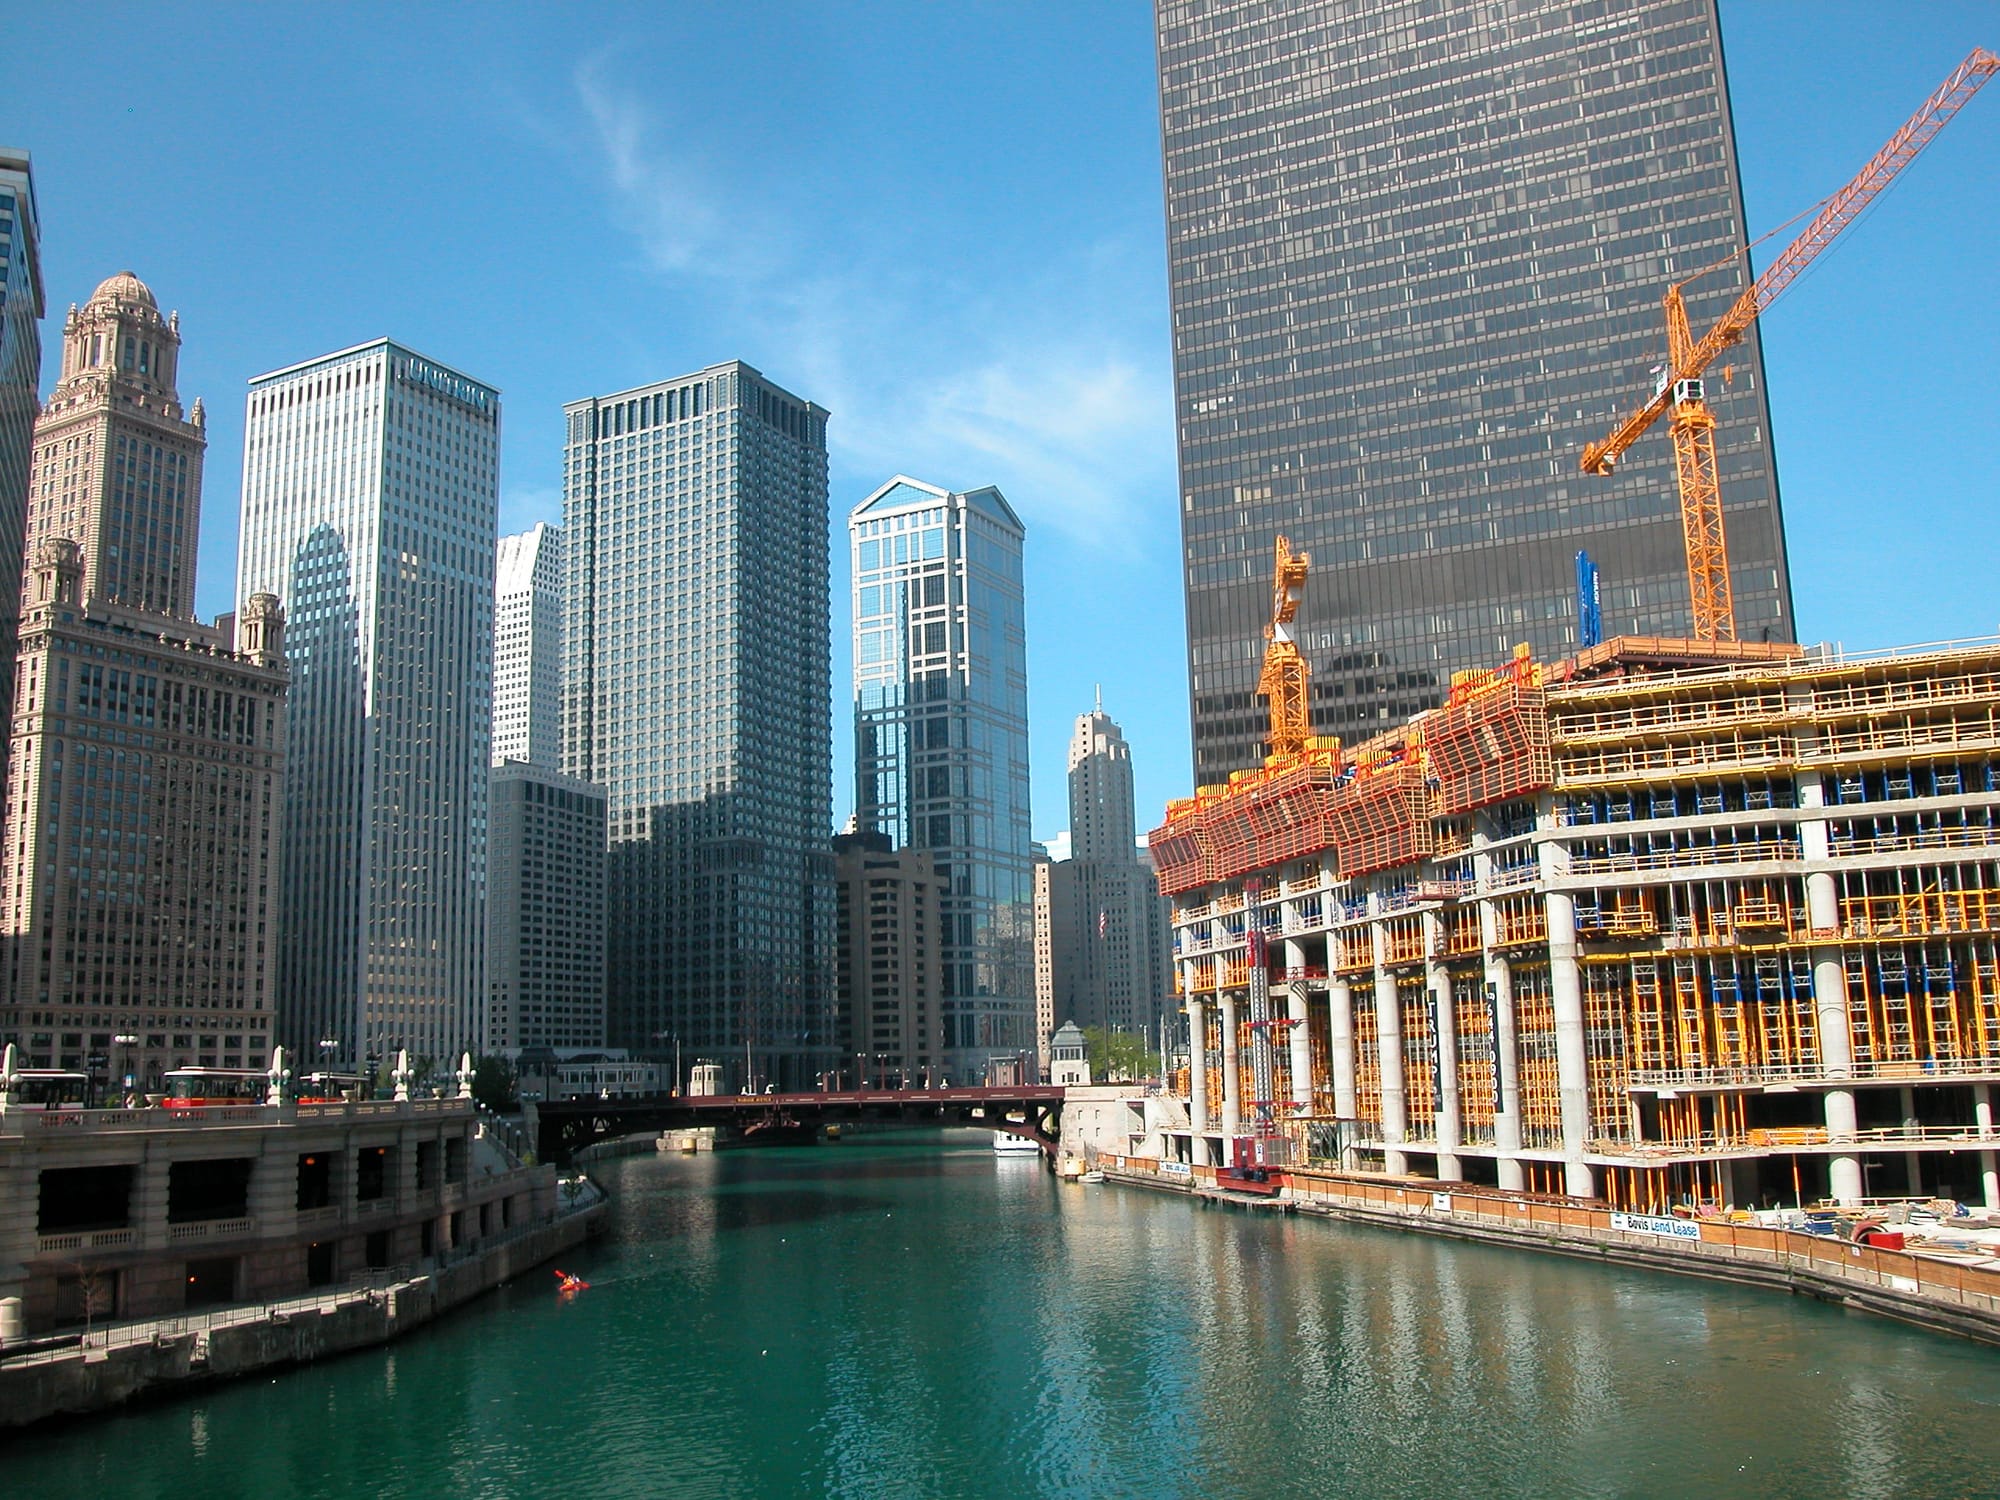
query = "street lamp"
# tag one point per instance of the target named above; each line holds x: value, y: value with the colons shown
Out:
x: 329, y: 1048
x: 126, y: 1043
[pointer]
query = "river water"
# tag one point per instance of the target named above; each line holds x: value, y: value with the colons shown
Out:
x: 886, y: 1318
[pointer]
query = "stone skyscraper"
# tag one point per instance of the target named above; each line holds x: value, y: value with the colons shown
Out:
x: 941, y: 740
x: 1110, y: 963
x: 695, y: 693
x: 138, y: 867
x: 20, y: 382
x: 370, y: 480
x: 1416, y: 254
x: 527, y: 648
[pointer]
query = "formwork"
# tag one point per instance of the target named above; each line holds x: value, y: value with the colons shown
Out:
x: 1381, y: 818
x: 1490, y: 742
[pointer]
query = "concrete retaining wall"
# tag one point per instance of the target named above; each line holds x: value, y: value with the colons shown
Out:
x: 34, y: 1388
x: 1934, y: 1294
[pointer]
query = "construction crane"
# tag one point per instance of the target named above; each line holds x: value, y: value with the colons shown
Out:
x: 1680, y: 384
x: 1284, y: 677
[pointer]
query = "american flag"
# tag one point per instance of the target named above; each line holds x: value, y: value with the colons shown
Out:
x: 1102, y: 916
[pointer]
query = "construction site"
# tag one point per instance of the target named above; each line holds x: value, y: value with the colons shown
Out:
x: 1667, y: 923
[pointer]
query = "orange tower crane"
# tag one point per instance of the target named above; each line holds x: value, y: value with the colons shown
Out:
x: 1680, y: 386
x: 1284, y: 677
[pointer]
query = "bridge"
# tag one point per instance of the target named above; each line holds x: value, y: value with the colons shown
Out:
x: 565, y: 1126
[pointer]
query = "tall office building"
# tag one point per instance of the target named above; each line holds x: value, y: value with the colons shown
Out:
x: 941, y: 740
x: 889, y: 901
x: 370, y: 481
x: 20, y: 382
x: 695, y: 693
x: 1111, y: 967
x: 544, y: 910
x: 1416, y: 252
x: 527, y: 648
x: 138, y: 866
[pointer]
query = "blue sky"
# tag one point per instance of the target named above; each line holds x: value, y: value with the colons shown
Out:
x: 943, y: 223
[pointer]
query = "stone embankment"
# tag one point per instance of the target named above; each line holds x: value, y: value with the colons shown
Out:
x: 1959, y: 1296
x: 117, y: 1364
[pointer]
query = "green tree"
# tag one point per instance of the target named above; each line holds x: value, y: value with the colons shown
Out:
x: 493, y: 1084
x: 1117, y: 1056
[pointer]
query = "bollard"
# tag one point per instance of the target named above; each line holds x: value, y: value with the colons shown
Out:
x: 13, y: 1324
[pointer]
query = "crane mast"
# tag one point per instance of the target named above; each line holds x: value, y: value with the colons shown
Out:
x: 1680, y: 388
x: 1284, y: 678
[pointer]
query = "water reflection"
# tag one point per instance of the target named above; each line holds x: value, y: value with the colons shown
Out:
x: 873, y: 1320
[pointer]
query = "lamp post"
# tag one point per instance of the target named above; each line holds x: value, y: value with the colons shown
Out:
x: 329, y: 1048
x: 125, y: 1043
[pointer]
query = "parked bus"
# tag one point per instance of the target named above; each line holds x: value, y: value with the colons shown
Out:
x: 205, y: 1088
x: 329, y: 1088
x: 50, y: 1088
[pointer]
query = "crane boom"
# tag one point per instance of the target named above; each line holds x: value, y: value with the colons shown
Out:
x: 1835, y: 214
x: 1680, y: 388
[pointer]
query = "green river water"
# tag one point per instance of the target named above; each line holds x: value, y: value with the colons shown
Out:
x: 916, y: 1318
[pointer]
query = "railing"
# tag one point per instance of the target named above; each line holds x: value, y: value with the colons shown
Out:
x: 27, y: 1122
x: 210, y: 1229
x: 1649, y: 1079
x: 1777, y: 851
x: 94, y: 1239
x: 1923, y: 838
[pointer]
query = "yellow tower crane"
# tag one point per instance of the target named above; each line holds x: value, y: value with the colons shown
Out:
x: 1284, y: 677
x: 1680, y: 386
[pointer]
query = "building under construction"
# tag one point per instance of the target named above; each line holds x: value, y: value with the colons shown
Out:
x: 1666, y: 922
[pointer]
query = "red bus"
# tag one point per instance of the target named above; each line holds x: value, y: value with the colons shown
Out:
x: 205, y: 1088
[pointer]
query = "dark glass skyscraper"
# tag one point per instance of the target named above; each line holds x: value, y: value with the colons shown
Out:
x: 696, y: 655
x: 1417, y: 250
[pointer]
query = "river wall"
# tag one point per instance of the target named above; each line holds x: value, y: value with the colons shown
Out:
x: 1945, y: 1296
x: 179, y: 1354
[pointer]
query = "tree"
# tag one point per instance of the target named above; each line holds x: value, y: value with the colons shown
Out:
x: 493, y: 1084
x: 1116, y: 1056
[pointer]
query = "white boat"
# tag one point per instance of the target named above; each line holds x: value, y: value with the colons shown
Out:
x: 1014, y: 1145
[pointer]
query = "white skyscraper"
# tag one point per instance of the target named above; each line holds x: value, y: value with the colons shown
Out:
x: 370, y: 483
x: 527, y: 648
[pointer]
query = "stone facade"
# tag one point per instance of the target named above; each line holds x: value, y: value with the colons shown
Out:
x: 139, y: 861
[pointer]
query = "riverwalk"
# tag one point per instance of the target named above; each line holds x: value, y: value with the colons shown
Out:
x: 1945, y: 1293
x: 116, y: 1363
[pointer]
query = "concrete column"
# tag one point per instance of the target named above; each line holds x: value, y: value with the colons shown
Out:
x: 1340, y: 1045
x: 1302, y: 1074
x: 1197, y: 1012
x: 1572, y: 1072
x: 1450, y: 1118
x: 1507, y: 1122
x: 18, y: 1235
x: 1835, y: 1032
x: 149, y: 1202
x: 274, y: 1188
x: 1232, y: 1081
x: 1389, y: 1038
x: 1989, y: 1164
x: 1297, y: 1034
x: 1913, y: 1164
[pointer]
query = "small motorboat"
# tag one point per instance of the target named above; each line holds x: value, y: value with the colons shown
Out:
x: 568, y: 1284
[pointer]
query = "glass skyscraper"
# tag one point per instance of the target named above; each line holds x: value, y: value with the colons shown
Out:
x: 370, y: 503
x: 941, y: 741
x: 1417, y: 250
x: 697, y: 662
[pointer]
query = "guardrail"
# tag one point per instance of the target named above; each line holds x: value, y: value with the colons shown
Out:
x: 1647, y: 1079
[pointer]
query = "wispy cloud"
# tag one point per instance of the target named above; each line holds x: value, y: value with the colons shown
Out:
x: 1044, y: 386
